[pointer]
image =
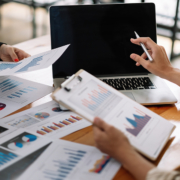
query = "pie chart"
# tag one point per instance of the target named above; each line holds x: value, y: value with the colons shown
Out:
x: 15, y: 145
x: 2, y: 106
x: 29, y: 138
x: 42, y: 115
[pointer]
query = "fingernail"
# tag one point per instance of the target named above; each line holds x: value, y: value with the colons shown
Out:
x: 132, y: 56
x: 132, y: 39
x: 16, y: 60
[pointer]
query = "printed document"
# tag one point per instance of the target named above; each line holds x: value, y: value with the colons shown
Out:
x: 16, y: 93
x: 91, y: 97
x: 67, y: 160
x: 32, y: 63
x: 47, y: 120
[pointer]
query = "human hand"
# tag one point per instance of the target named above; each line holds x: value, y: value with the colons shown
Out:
x: 12, y: 54
x: 160, y: 65
x: 110, y: 140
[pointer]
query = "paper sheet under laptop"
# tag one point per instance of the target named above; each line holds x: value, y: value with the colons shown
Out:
x: 147, y: 131
x: 32, y: 63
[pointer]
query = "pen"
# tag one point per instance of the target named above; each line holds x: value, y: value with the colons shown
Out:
x: 144, y: 48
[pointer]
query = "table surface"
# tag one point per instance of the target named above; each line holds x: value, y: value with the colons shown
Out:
x: 168, y: 159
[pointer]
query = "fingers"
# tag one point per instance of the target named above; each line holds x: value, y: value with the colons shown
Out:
x: 148, y: 42
x: 100, y: 123
x: 139, y: 60
x: 21, y: 54
x: 12, y: 54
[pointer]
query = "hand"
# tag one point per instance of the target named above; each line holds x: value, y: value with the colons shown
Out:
x: 113, y: 142
x: 12, y: 54
x: 160, y: 64
x: 110, y: 140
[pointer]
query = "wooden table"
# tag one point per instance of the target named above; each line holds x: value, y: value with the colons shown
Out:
x: 170, y: 156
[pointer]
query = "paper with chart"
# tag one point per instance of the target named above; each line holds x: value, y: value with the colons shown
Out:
x: 67, y: 160
x: 16, y: 93
x: 91, y: 97
x: 32, y: 63
x: 19, y: 144
x: 47, y: 120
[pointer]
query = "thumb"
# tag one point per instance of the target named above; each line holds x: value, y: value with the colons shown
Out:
x: 13, y: 55
x: 139, y: 60
x: 100, y: 123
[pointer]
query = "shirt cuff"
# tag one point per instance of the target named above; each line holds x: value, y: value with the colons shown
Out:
x: 162, y: 175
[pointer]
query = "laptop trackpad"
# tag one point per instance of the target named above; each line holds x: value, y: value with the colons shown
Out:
x: 129, y: 94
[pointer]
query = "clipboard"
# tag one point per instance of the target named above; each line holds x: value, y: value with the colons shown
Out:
x: 88, y: 96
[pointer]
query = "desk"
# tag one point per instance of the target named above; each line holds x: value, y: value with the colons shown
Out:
x: 169, y: 157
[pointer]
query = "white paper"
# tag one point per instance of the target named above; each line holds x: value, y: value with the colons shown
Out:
x: 16, y: 93
x: 19, y: 144
x: 67, y: 160
x: 146, y: 131
x: 32, y: 63
x: 47, y: 120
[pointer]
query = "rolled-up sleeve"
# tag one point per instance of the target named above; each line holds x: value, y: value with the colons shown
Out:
x: 162, y: 175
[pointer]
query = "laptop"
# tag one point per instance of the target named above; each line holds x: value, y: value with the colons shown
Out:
x: 100, y: 44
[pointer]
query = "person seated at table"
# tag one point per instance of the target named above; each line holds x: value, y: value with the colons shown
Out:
x: 113, y: 142
x: 11, y: 54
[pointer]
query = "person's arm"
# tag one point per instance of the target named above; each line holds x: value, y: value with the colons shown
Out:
x: 113, y: 142
x: 160, y: 65
x: 11, y: 54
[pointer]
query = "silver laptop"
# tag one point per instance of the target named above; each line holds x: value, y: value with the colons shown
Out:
x: 100, y: 44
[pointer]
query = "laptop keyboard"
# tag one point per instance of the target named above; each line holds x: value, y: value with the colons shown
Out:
x: 136, y: 83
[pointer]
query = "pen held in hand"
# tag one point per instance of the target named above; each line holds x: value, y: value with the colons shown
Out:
x: 144, y: 48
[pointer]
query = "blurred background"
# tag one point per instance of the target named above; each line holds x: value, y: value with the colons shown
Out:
x: 21, y: 20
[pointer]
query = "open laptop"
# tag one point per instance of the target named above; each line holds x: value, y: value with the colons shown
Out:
x: 100, y: 44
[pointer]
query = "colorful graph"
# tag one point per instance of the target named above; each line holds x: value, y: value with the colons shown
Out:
x: 100, y: 164
x: 2, y: 106
x: 29, y: 138
x: 61, y: 168
x: 56, y: 109
x: 42, y: 115
x: 5, y: 66
x: 6, y: 157
x: 15, y: 145
x: 96, y: 98
x: 58, y: 125
x: 138, y: 122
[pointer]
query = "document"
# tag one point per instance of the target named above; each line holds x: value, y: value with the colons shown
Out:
x: 67, y: 160
x: 16, y: 93
x: 19, y: 144
x: 47, y: 120
x: 32, y: 63
x: 90, y: 97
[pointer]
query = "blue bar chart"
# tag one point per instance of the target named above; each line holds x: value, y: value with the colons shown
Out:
x: 15, y: 90
x: 63, y: 167
x: 6, y: 66
x: 6, y: 157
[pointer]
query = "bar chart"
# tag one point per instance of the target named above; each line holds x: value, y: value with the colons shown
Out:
x: 15, y: 90
x: 6, y: 157
x: 138, y: 123
x: 63, y: 166
x: 5, y: 66
x: 96, y: 98
x: 58, y: 124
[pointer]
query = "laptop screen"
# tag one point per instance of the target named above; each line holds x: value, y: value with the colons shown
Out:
x: 99, y: 37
